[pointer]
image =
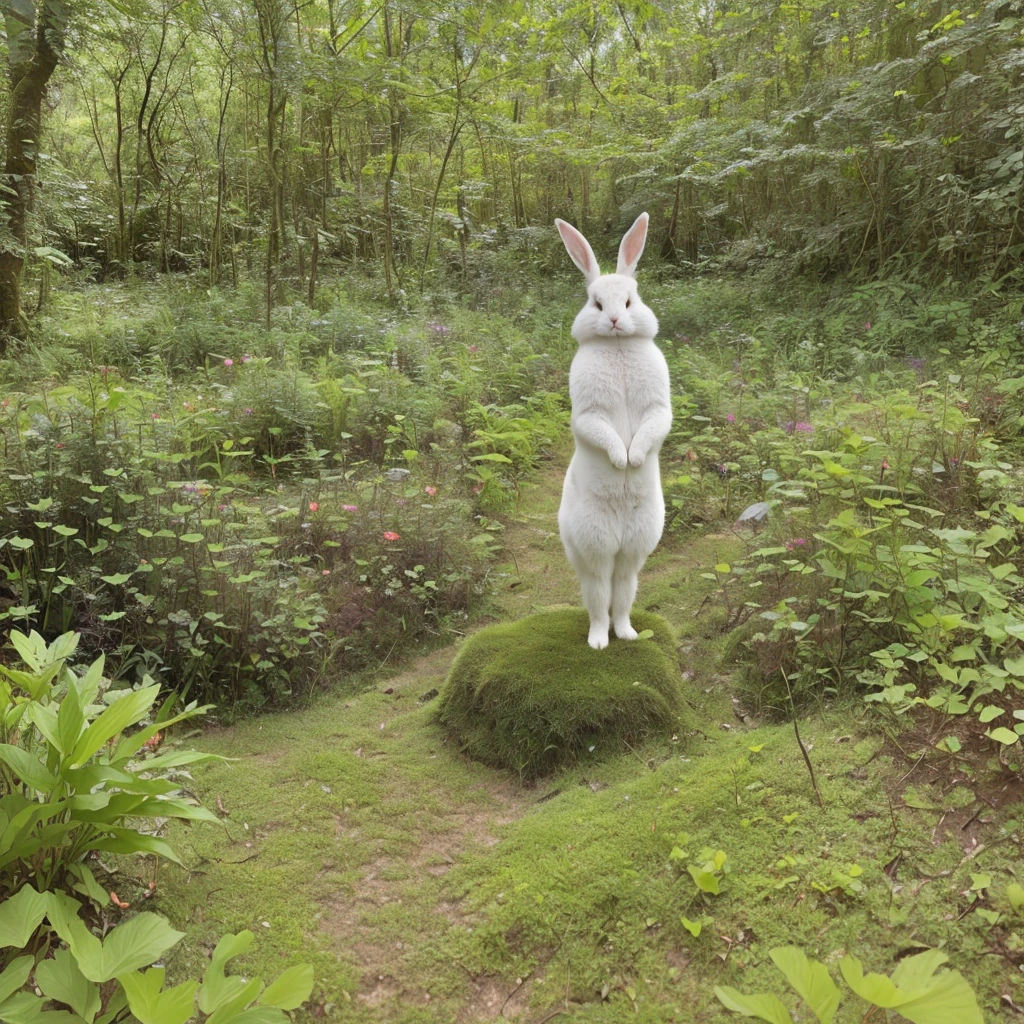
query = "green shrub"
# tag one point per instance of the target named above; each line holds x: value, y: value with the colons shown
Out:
x: 72, y: 781
x: 914, y: 992
x: 532, y: 695
x: 100, y: 979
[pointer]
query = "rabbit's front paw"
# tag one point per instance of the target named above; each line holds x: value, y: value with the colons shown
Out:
x: 636, y: 458
x: 598, y: 638
x: 619, y: 458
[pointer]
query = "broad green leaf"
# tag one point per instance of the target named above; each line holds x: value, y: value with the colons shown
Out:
x: 134, y: 741
x: 948, y: 1000
x: 764, y: 1007
x: 874, y: 988
x: 44, y: 718
x: 88, y: 885
x: 706, y: 881
x: 1015, y: 666
x: 914, y: 974
x: 810, y: 979
x: 127, y: 840
x: 62, y: 910
x: 28, y: 1008
x: 135, y: 943
x: 27, y: 768
x: 71, y: 718
x: 219, y: 991
x: 232, y: 994
x: 124, y: 712
x: 15, y: 975
x: 989, y: 712
x: 291, y: 989
x: 1015, y: 894
x: 693, y: 927
x: 60, y: 979
x: 153, y: 1006
x: 117, y: 578
x: 1003, y: 735
x: 231, y: 946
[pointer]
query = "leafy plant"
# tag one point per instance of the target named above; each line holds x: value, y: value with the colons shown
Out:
x: 101, y: 980
x: 914, y: 991
x: 74, y: 780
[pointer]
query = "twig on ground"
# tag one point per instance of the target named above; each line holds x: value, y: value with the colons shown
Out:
x: 800, y: 742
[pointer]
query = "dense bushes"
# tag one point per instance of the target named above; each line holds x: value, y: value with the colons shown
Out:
x: 874, y: 469
x: 309, y: 498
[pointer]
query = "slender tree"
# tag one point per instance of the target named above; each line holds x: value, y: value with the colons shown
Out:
x: 36, y: 33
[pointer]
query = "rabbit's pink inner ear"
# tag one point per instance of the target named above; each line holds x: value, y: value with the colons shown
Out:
x: 631, y: 248
x: 579, y: 249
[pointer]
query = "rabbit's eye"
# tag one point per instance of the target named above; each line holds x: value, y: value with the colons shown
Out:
x: 598, y: 304
x: 628, y: 301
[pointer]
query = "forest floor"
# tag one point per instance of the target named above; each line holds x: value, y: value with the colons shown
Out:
x: 427, y: 888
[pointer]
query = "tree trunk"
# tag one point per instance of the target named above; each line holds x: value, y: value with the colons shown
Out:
x: 314, y: 259
x: 33, y: 52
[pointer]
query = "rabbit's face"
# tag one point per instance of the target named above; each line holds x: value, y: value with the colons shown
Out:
x: 614, y: 309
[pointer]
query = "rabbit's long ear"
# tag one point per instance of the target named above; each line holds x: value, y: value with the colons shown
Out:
x: 579, y: 249
x: 631, y: 248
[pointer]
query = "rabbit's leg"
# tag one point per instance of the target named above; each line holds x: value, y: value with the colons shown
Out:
x: 624, y: 582
x: 595, y: 576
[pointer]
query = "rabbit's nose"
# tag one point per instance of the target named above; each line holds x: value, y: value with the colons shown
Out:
x: 614, y: 320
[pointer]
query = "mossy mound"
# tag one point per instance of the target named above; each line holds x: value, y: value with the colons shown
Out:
x: 532, y: 695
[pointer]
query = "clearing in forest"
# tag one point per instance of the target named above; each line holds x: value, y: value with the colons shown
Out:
x: 427, y: 888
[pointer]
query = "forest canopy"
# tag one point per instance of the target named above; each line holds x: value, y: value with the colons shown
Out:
x: 428, y: 138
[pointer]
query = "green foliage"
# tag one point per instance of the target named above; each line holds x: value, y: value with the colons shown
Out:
x: 241, y: 527
x: 915, y: 992
x: 98, y: 979
x: 532, y: 696
x: 75, y: 781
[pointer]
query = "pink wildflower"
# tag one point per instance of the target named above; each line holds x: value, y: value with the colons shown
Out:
x: 391, y: 535
x: 731, y: 418
x: 325, y: 572
x: 349, y: 508
x: 246, y: 358
x: 155, y: 416
x: 431, y: 491
x: 229, y: 362
x: 473, y: 349
x: 313, y: 506
x: 796, y: 542
x: 867, y: 325
x: 885, y: 465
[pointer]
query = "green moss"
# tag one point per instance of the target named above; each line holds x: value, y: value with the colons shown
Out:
x: 532, y: 696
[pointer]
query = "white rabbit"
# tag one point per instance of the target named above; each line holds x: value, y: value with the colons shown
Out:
x: 612, y: 512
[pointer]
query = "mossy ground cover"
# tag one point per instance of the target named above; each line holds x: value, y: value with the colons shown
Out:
x: 531, y: 696
x: 427, y: 888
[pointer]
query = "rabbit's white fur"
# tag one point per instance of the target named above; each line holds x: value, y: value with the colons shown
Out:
x: 612, y: 510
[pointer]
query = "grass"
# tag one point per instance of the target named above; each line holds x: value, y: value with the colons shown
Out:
x: 531, y: 696
x: 428, y: 889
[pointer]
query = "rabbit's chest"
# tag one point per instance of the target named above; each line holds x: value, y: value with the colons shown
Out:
x: 617, y: 381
